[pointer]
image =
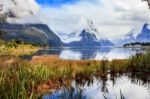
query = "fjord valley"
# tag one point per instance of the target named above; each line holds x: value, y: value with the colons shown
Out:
x: 53, y: 50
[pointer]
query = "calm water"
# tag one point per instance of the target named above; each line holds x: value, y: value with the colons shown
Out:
x: 129, y: 86
x: 112, y: 87
x: 91, y: 53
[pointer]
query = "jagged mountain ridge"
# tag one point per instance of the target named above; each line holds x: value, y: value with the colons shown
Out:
x: 87, y: 35
x: 144, y: 35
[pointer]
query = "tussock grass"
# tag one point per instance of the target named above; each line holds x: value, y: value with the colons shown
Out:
x: 20, y: 79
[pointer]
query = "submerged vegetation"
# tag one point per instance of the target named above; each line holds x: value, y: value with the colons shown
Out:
x: 22, y: 79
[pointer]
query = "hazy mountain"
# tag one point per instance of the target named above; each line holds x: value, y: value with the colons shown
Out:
x: 143, y: 36
x: 30, y: 33
x: 128, y: 38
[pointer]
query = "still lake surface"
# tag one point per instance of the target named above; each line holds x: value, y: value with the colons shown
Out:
x: 111, y: 87
x: 127, y: 86
x: 97, y: 53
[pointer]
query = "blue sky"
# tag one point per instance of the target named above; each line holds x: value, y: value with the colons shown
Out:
x: 56, y: 3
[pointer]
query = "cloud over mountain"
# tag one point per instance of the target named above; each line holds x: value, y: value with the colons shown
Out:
x: 20, y: 11
x: 112, y: 17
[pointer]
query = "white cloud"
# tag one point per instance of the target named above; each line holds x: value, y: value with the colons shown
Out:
x: 112, y: 17
x: 24, y: 10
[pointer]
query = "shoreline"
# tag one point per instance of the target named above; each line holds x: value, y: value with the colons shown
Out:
x: 45, y: 74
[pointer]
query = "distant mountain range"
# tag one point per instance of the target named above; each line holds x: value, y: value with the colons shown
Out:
x: 41, y: 34
x: 142, y: 37
x: 128, y: 38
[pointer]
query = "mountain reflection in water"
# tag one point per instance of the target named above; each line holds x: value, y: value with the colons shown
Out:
x: 112, y: 86
x: 90, y: 53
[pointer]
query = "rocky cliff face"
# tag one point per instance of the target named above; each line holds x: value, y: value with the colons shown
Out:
x: 86, y: 35
x: 87, y: 40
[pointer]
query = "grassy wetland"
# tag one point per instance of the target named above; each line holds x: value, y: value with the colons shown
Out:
x: 31, y: 79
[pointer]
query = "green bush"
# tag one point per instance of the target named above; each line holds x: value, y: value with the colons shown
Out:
x: 14, y: 43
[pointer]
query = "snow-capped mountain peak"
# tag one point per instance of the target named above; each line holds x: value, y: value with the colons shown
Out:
x: 87, y: 25
x: 87, y: 34
x: 144, y: 35
x: 145, y: 27
x: 91, y: 26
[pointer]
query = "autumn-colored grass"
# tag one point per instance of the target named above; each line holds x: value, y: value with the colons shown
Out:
x: 45, y: 73
x: 22, y: 79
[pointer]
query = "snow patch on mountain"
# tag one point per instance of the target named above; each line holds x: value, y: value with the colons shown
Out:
x: 90, y: 27
x: 86, y: 31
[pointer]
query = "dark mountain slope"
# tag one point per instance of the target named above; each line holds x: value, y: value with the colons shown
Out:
x: 39, y: 34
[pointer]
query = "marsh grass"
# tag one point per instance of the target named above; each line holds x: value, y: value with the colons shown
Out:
x: 21, y: 79
x: 138, y: 63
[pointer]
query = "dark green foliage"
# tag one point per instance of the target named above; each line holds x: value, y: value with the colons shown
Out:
x: 17, y: 41
x: 137, y: 43
x: 14, y: 43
